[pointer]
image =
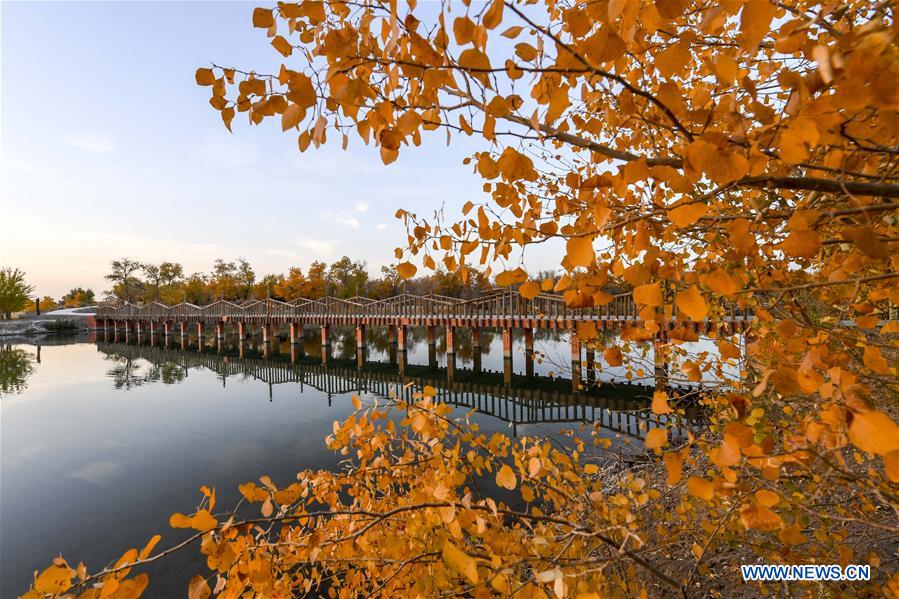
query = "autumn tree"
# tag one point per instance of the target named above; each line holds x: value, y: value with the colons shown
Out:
x: 347, y: 278
x: 78, y: 297
x: 121, y: 275
x: 316, y: 280
x: 13, y: 291
x: 292, y: 286
x: 712, y: 158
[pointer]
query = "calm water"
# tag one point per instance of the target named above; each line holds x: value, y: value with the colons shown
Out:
x: 102, y: 441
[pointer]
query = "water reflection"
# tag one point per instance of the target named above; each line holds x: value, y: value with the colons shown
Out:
x: 16, y: 365
x: 535, y: 400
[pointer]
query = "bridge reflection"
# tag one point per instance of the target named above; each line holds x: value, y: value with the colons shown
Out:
x: 623, y: 409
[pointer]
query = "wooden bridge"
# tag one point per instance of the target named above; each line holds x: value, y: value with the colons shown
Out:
x: 505, y: 311
x: 624, y: 414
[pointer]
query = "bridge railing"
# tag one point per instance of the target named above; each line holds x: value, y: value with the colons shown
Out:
x: 501, y: 304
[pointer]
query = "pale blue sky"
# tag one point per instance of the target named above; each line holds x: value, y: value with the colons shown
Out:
x: 108, y: 148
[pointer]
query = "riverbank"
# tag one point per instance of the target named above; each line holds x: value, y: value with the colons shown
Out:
x: 58, y: 322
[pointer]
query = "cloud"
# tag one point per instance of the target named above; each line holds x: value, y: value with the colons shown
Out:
x: 362, y: 206
x: 380, y: 226
x: 341, y: 218
x: 95, y: 144
x: 320, y: 248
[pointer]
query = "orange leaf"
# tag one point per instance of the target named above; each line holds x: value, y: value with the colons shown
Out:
x: 406, y: 270
x: 263, y: 18
x: 874, y: 360
x: 760, y: 518
x: 720, y: 282
x: 580, y: 251
x: 657, y: 437
x: 612, y: 356
x: 197, y: 588
x: 700, y: 487
x: 506, y: 478
x: 460, y: 561
x: 648, y: 295
x: 691, y: 303
x: 686, y: 213
x: 674, y: 466
x: 660, y: 403
x: 874, y: 432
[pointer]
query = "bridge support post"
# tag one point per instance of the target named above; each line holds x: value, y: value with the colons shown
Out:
x: 575, y: 361
x: 450, y: 339
x: 138, y: 328
x: 219, y: 330
x: 326, y: 343
x: 200, y: 334
x: 127, y: 326
x: 476, y: 339
x: 660, y: 362
x: 450, y: 367
x: 529, y: 352
x: 266, y: 333
x: 507, y: 355
x: 294, y: 333
x: 401, y: 337
x: 391, y: 334
x: 591, y: 366
x: 242, y: 331
x: 167, y: 328
x: 183, y: 329
x: 432, y: 335
x: 360, y: 345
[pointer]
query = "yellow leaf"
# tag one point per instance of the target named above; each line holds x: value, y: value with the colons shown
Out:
x: 580, y: 251
x: 760, y: 517
x: 801, y: 243
x: 691, y: 303
x: 728, y: 350
x: 205, y: 77
x: 197, y: 588
x: 54, y: 580
x: 512, y: 32
x: 429, y: 391
x: 591, y: 469
x: 685, y: 213
x: 874, y: 360
x: 406, y: 270
x: 674, y: 466
x: 657, y: 437
x: 767, y: 498
x: 506, y: 477
x: 720, y: 282
x: 529, y: 290
x: 267, y: 507
x: 792, y: 535
x: 179, y: 521
x: 660, y: 403
x: 460, y: 561
x: 149, y: 547
x: 292, y: 116
x: 356, y: 403
x: 612, y: 356
x: 494, y: 15
x: 203, y: 521
x: 891, y: 465
x: 874, y: 432
x: 511, y: 277
x: 282, y: 45
x: 700, y: 487
x: 263, y: 18
x: 755, y: 22
x: 648, y: 295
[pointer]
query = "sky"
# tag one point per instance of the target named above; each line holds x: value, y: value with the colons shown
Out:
x: 108, y: 149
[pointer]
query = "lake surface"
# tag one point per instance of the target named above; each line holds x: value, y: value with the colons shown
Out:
x: 101, y: 441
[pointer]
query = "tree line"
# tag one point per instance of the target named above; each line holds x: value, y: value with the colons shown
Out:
x: 167, y: 282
